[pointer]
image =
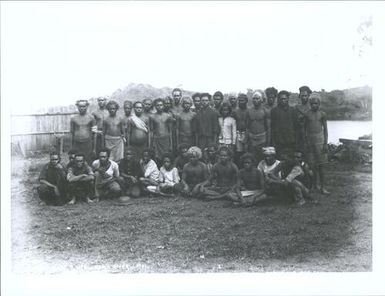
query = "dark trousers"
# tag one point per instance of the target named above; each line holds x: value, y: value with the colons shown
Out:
x: 48, y: 195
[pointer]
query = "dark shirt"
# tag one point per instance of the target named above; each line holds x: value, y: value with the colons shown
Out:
x: 131, y: 167
x: 207, y: 123
x: 283, y: 125
x: 54, y: 175
x: 76, y: 171
x: 250, y: 180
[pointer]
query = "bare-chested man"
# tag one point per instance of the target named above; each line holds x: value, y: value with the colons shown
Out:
x: 177, y: 96
x: 82, y: 127
x: 127, y: 108
x: 113, y: 130
x: 304, y: 93
x: 137, y: 131
x: 257, y: 126
x: 218, y: 100
x: 271, y: 97
x: 148, y: 108
x: 197, y: 102
x: 160, y: 130
x: 184, y: 124
x: 99, y: 116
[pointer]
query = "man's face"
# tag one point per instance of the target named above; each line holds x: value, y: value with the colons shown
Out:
x: 159, y: 106
x: 103, y: 157
x: 194, y: 158
x: 242, y: 102
x: 211, y: 152
x: 304, y: 96
x: 112, y: 110
x: 177, y: 95
x: 223, y: 157
x: 257, y: 101
x: 247, y: 164
x: 183, y: 152
x: 82, y: 107
x: 314, y: 104
x: 217, y: 101
x: 79, y: 161
x: 197, y: 102
x: 138, y: 109
x: 225, y: 111
x: 167, y: 163
x: 146, y: 157
x: 128, y: 155
x: 270, y: 100
x: 167, y: 104
x: 147, y: 105
x: 205, y: 102
x: 233, y: 101
x: 270, y: 159
x: 186, y: 105
x: 283, y: 100
x: 102, y: 102
x: 71, y: 158
x: 297, y: 158
x: 127, y: 109
x: 54, y: 160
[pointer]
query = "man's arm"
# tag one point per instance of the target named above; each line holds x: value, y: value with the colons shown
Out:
x: 72, y: 131
x: 325, y: 128
x: 128, y: 132
x: 268, y: 127
x: 177, y: 124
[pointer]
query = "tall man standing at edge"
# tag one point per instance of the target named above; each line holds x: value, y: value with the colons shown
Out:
x: 301, y: 109
x: 82, y: 127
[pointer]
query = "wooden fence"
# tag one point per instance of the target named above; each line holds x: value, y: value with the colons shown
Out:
x: 40, y: 132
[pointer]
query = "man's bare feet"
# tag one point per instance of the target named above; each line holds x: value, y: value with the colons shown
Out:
x: 324, y: 191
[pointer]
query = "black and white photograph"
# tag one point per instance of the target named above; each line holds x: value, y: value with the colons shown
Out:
x: 171, y: 147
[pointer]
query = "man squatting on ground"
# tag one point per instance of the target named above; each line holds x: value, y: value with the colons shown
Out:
x: 206, y: 172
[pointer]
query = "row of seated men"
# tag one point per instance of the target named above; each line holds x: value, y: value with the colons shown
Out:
x: 210, y: 174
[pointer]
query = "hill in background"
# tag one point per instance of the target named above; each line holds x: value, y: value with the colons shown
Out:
x: 347, y: 104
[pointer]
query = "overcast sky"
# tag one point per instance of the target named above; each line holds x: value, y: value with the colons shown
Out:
x: 57, y: 52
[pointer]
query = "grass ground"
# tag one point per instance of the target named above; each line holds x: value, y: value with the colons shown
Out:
x: 187, y: 235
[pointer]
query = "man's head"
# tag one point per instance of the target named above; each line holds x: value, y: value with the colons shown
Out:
x: 177, y: 95
x: 283, y: 98
x: 257, y: 98
x: 225, y: 110
x: 211, y: 151
x: 147, y: 155
x: 304, y: 93
x: 197, y: 100
x: 247, y: 160
x: 168, y: 103
x: 112, y: 107
x: 233, y: 100
x: 242, y: 101
x: 128, y: 154
x: 195, y: 153
x: 271, y: 95
x: 138, y: 108
x: 205, y: 100
x: 218, y: 99
x: 183, y: 148
x: 54, y: 159
x: 80, y: 159
x: 187, y: 103
x: 315, y: 101
x: 102, y: 102
x: 71, y: 156
x: 224, y: 154
x: 167, y: 161
x: 127, y: 108
x: 297, y: 157
x: 147, y: 105
x: 104, y: 154
x: 82, y: 106
x: 159, y: 105
x: 269, y: 155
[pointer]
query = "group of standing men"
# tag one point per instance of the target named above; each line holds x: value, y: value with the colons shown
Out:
x: 205, y: 121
